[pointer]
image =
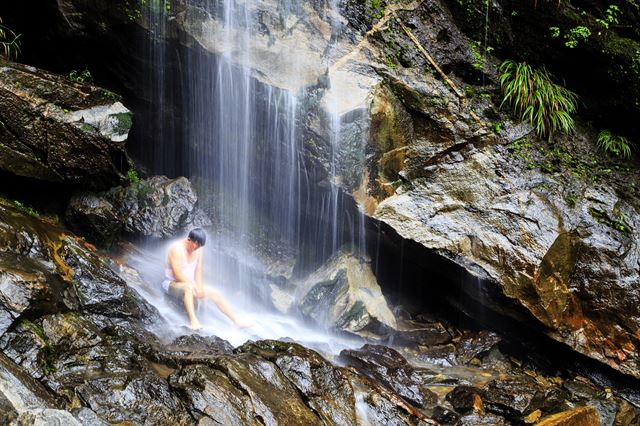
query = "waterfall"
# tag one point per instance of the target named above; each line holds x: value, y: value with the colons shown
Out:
x: 241, y: 142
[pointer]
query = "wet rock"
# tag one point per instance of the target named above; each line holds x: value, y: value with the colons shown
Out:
x: 99, y: 289
x: 344, y: 294
x: 326, y: 388
x: 580, y: 388
x: 62, y: 131
x: 281, y: 299
x: 444, y: 416
x: 376, y: 406
x: 7, y: 412
x: 475, y: 419
x: 46, y: 417
x: 444, y: 355
x: 627, y: 415
x: 26, y: 285
x: 474, y: 344
x: 87, y: 417
x: 516, y: 397
x: 94, y: 217
x: 465, y: 399
x: 557, y: 266
x: 158, y: 207
x: 388, y: 367
x: 423, y: 334
x: 210, y: 394
x: 193, y: 349
x: 274, y: 398
x: 459, y: 192
x: 583, y: 416
x: 137, y: 398
x: 20, y: 394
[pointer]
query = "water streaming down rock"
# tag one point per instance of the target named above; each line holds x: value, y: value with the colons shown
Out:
x: 242, y: 141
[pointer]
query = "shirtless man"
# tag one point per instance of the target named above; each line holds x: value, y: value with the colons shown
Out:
x: 183, y: 278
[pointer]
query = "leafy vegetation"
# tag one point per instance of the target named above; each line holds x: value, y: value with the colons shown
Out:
x: 616, y: 145
x: 10, y: 42
x: 378, y: 8
x: 533, y: 96
x: 610, y: 17
x: 82, y: 77
x: 576, y: 35
x: 47, y: 357
x: 133, y: 176
x: 26, y: 209
x: 616, y: 223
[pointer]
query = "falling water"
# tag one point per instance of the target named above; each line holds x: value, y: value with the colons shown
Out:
x: 241, y: 144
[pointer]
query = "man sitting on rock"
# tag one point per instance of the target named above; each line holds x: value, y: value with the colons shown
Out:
x: 183, y: 278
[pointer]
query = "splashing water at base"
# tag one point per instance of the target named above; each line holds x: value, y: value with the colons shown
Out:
x: 269, y: 323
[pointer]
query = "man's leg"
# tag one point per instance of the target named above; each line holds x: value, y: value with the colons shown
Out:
x: 187, y: 291
x: 217, y: 298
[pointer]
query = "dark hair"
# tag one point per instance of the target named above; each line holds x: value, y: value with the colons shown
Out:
x: 197, y: 235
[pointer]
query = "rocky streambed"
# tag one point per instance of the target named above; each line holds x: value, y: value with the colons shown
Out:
x: 78, y: 347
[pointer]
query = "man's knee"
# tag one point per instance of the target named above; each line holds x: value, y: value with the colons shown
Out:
x: 188, y: 289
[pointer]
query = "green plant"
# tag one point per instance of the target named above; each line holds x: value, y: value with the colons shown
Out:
x: 47, y: 356
x: 576, y: 35
x: 26, y: 209
x: 83, y: 77
x: 555, y: 32
x: 9, y: 41
x: 106, y: 94
x: 378, y: 8
x: 133, y: 176
x: 616, y: 223
x: 479, y: 60
x: 533, y: 96
x: 610, y: 17
x: 616, y: 145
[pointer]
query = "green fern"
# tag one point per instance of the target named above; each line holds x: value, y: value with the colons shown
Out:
x: 614, y: 144
x: 9, y: 42
x: 534, y: 97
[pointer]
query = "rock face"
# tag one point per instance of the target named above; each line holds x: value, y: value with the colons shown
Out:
x: 388, y: 367
x: 344, y: 294
x: 552, y: 228
x: 156, y: 207
x: 551, y: 231
x: 72, y: 339
x: 57, y: 130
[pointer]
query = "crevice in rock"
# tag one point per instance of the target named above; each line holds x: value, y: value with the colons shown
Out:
x: 422, y: 281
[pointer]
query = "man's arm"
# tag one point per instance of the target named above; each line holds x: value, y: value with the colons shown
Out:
x: 199, y: 284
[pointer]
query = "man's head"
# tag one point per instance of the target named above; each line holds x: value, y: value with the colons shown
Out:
x: 197, y: 236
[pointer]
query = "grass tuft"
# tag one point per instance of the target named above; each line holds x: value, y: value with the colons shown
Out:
x: 533, y: 96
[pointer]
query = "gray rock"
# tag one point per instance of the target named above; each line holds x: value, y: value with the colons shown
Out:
x: 344, y: 294
x: 57, y: 130
x: 388, y: 367
x: 327, y: 387
x: 517, y: 397
x: 157, y: 207
x: 88, y: 417
x: 46, y: 417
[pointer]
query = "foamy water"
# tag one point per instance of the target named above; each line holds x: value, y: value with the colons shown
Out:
x: 269, y: 323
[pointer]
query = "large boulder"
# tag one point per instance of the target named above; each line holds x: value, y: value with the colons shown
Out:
x: 58, y: 130
x: 553, y: 229
x: 344, y: 294
x: 390, y: 368
x: 156, y: 207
